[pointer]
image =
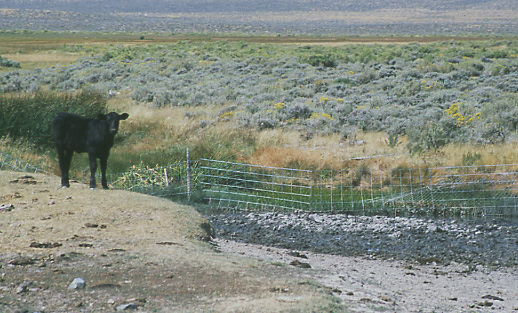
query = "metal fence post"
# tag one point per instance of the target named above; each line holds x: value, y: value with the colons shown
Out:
x: 188, y: 177
x: 311, y: 205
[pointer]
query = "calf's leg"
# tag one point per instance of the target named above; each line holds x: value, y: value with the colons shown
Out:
x: 104, y: 162
x: 93, y: 169
x: 64, y: 158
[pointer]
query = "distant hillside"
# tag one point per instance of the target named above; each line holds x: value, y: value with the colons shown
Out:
x: 295, y: 16
x: 197, y: 6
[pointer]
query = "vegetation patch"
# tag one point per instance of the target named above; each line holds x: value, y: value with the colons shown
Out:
x: 252, y: 100
x: 28, y: 116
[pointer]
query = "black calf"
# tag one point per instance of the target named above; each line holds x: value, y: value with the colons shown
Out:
x: 74, y: 133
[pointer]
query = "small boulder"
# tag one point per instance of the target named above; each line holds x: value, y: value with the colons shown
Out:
x: 77, y: 283
x: 127, y: 306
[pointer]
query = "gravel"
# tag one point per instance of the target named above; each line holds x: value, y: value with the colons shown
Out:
x: 426, y: 241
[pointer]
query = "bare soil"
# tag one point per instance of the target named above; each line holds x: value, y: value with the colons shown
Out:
x: 375, y: 285
x: 134, y: 252
x: 145, y: 254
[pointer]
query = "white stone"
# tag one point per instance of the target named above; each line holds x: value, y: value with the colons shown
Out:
x: 77, y: 283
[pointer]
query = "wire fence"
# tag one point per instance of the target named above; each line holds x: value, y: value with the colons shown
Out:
x: 228, y: 184
x: 489, y: 190
x: 8, y: 162
x: 442, y: 191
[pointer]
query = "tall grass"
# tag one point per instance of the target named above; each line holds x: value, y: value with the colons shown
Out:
x: 28, y: 117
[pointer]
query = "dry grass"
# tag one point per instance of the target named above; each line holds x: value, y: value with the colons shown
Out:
x: 288, y: 149
x: 166, y: 127
x: 31, y: 61
x: 452, y: 155
x: 285, y: 149
x: 159, y: 121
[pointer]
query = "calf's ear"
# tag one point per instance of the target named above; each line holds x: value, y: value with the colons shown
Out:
x: 123, y: 116
x: 101, y: 116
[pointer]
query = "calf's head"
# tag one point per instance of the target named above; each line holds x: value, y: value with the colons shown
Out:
x: 113, y: 119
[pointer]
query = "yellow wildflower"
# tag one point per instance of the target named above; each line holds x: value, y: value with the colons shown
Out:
x: 324, y: 99
x: 279, y: 105
x: 323, y: 115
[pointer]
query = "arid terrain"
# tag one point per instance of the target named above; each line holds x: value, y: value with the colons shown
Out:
x: 375, y: 285
x: 137, y: 252
x: 132, y: 251
x: 307, y: 84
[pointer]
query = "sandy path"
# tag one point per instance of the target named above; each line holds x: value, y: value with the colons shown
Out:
x: 396, y: 286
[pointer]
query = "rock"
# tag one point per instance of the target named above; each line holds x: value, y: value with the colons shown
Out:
x: 6, y: 207
x: 45, y: 245
x: 490, y: 297
x: 23, y: 260
x: 297, y: 263
x: 138, y: 301
x: 432, y: 229
x: 23, y: 287
x: 77, y: 283
x: 128, y: 306
x: 78, y: 304
x: 427, y: 241
x: 485, y: 304
x: 27, y: 180
x: 385, y: 298
x: 298, y: 254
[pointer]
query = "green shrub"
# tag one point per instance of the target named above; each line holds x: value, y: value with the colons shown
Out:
x: 8, y: 63
x: 320, y: 59
x: 470, y: 159
x: 433, y: 135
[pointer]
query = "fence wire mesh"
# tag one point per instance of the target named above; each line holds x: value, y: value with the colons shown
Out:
x: 446, y: 191
x: 489, y: 190
x: 249, y: 186
x: 8, y: 162
x: 442, y: 191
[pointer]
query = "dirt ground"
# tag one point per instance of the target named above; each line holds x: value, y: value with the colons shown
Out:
x: 146, y: 254
x: 134, y: 252
x: 395, y: 286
